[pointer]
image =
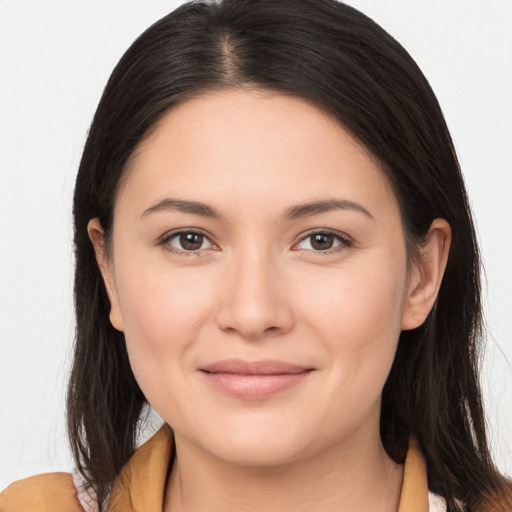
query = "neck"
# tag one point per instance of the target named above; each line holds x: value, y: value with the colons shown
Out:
x: 361, y: 478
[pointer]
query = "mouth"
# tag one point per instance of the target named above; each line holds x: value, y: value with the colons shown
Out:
x: 254, y: 380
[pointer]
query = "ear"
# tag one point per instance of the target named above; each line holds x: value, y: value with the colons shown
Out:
x: 426, y: 275
x: 106, y: 267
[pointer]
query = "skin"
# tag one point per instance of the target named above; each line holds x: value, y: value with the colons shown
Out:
x: 258, y: 289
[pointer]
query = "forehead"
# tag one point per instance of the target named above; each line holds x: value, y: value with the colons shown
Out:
x: 240, y: 145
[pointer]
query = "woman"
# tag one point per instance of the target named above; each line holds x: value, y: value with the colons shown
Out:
x: 274, y: 249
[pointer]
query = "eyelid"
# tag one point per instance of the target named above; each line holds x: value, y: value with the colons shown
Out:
x: 346, y: 241
x: 343, y: 238
x: 169, y: 235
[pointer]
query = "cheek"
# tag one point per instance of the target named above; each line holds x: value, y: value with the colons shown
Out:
x: 163, y: 314
x: 356, y: 311
x: 162, y: 306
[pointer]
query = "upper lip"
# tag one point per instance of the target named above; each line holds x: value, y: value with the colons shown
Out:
x: 263, y: 367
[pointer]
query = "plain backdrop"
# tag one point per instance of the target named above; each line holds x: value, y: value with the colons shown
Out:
x: 55, y: 58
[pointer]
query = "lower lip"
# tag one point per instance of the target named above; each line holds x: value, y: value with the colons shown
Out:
x: 254, y: 387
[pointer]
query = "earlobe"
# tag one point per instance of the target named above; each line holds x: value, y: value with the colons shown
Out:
x: 426, y: 275
x: 96, y: 235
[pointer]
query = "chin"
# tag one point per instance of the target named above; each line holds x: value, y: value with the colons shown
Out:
x: 257, y: 452
x: 260, y: 441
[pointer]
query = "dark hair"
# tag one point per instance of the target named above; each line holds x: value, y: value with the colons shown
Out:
x: 330, y: 54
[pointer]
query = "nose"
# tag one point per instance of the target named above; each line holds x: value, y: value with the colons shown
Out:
x: 254, y: 303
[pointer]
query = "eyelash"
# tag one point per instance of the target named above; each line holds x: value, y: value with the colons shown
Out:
x: 164, y: 241
x: 344, y: 241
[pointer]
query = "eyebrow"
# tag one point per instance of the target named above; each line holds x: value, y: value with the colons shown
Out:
x: 293, y: 213
x: 309, y: 209
x: 180, y: 205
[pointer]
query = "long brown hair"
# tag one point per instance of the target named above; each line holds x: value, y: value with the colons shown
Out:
x: 330, y: 54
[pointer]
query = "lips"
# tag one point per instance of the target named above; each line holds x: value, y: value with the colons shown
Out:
x: 254, y: 380
x: 266, y: 367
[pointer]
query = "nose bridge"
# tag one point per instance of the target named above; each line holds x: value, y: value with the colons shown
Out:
x: 254, y: 301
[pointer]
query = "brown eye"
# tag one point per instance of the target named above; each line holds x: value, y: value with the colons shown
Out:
x: 187, y: 241
x: 191, y: 241
x: 322, y: 241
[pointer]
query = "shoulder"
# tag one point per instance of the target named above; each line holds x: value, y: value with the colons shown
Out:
x: 50, y: 492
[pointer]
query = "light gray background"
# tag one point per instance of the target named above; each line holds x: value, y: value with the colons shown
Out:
x: 55, y: 57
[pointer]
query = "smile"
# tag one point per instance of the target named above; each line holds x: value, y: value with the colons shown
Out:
x: 254, y: 380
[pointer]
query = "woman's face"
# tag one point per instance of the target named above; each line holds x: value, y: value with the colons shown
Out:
x: 258, y: 270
